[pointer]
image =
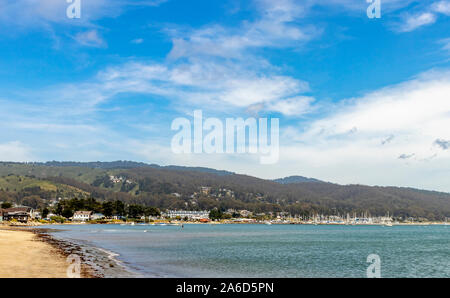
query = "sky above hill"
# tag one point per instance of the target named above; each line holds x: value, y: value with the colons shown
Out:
x: 360, y: 100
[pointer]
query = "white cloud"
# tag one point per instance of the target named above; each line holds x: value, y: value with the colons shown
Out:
x: 211, y: 86
x: 295, y: 106
x: 33, y: 13
x: 427, y: 16
x: 274, y: 28
x: 388, y: 6
x: 21, y: 16
x: 348, y: 145
x: 412, y: 22
x: 418, y: 106
x: 15, y: 151
x: 90, y: 38
x: 442, y: 7
x: 445, y: 44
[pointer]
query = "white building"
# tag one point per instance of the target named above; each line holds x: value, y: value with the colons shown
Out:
x: 97, y: 216
x: 82, y: 215
x: 245, y: 213
x: 50, y: 215
x: 188, y: 214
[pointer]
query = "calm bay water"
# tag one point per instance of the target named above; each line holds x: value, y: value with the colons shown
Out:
x: 270, y: 251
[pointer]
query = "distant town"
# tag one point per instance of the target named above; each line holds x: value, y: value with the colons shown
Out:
x: 77, y: 211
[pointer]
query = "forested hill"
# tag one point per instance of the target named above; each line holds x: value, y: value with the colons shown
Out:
x: 176, y: 187
x: 120, y: 164
x: 295, y: 179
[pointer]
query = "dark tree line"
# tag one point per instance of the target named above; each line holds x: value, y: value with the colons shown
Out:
x: 67, y: 208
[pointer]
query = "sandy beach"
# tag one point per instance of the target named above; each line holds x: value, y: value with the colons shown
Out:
x: 23, y: 255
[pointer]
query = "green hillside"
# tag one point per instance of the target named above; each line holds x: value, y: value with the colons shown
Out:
x: 180, y: 188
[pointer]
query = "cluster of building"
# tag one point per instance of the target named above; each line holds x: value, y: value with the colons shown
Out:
x: 355, y: 219
x: 190, y: 215
x: 86, y: 216
x: 25, y: 214
x: 215, y: 193
x: 115, y: 179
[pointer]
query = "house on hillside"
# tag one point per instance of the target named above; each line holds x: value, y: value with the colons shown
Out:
x: 82, y: 216
x: 205, y: 190
x: 245, y: 213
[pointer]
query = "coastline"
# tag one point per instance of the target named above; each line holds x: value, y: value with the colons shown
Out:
x: 24, y: 255
x: 96, y: 262
x: 40, y: 255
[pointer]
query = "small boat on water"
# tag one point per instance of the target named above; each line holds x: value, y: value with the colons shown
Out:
x: 388, y: 224
x: 268, y: 223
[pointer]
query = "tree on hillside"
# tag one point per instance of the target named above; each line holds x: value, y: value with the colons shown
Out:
x: 33, y: 201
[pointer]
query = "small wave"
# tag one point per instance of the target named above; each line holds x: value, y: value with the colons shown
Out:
x: 111, y: 255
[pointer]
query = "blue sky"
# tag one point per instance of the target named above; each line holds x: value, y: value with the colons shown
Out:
x: 359, y: 100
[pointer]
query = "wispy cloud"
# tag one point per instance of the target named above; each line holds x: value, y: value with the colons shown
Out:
x: 137, y: 41
x: 295, y: 106
x: 412, y: 22
x: 445, y: 44
x: 31, y: 13
x: 207, y: 84
x: 275, y: 27
x: 427, y: 15
x: 90, y: 38
x: 442, y: 7
x: 19, y: 17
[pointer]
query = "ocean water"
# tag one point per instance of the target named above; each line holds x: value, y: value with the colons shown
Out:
x: 245, y: 250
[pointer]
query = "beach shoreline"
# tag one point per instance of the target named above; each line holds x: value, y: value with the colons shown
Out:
x: 96, y: 262
x: 24, y: 255
x: 28, y: 252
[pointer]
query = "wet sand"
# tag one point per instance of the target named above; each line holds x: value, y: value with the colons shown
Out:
x: 24, y: 255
